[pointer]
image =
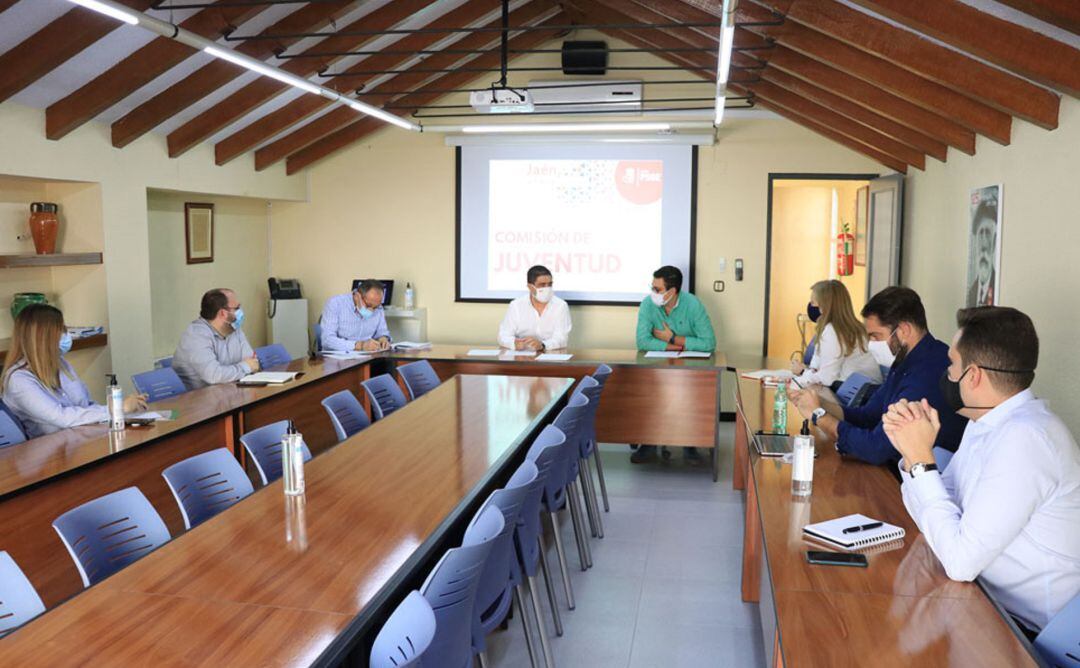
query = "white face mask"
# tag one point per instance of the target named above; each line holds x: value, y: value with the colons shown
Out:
x: 881, y: 352
x: 544, y: 295
x: 659, y: 298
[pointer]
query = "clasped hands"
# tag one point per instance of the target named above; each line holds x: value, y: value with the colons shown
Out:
x: 912, y: 427
x: 528, y: 343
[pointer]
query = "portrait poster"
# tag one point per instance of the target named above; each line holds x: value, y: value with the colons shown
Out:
x: 984, y: 247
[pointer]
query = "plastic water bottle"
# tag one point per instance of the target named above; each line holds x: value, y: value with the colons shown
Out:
x: 292, y: 461
x: 802, y: 464
x: 779, y: 411
x: 115, y: 395
x: 409, y: 302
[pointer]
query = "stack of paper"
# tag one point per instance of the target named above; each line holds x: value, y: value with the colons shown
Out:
x: 345, y: 354
x: 517, y: 353
x: 268, y: 377
x: 411, y: 345
x: 769, y: 373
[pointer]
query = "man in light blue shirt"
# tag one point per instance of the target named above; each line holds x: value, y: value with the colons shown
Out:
x: 213, y: 349
x: 356, y: 321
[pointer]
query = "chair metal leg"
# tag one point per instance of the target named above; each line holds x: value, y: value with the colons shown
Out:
x: 587, y: 466
x: 519, y: 601
x: 561, y: 551
x: 584, y: 484
x: 573, y: 496
x: 482, y: 658
x: 545, y: 645
x: 600, y: 476
x: 550, y: 585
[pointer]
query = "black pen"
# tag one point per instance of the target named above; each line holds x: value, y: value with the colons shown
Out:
x: 864, y: 527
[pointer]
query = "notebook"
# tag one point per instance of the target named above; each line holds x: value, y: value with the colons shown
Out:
x: 267, y: 377
x: 832, y: 532
x: 412, y: 345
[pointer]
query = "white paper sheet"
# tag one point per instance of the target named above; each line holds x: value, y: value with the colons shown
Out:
x: 662, y: 353
x: 695, y: 353
x: 272, y: 377
x: 553, y: 357
x: 484, y: 352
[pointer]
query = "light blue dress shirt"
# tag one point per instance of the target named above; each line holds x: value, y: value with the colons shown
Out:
x: 204, y: 357
x: 44, y: 411
x: 342, y: 325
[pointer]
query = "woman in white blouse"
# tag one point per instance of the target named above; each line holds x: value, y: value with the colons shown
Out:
x: 841, y: 347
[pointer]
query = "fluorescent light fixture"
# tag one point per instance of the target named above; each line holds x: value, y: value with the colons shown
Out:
x: 265, y: 70
x: 721, y: 100
x: 723, y: 65
x: 515, y: 128
x: 108, y: 10
x: 365, y: 108
x: 727, y: 41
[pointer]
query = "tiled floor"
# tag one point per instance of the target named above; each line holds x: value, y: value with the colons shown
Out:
x: 664, y: 587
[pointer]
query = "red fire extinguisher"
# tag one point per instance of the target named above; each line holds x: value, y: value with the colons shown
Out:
x: 845, y: 253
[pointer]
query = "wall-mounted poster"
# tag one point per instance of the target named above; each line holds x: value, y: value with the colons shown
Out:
x: 862, y: 212
x: 984, y: 249
x: 199, y: 232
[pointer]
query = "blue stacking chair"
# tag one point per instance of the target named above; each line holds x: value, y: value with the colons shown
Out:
x: 501, y: 582
x: 158, y: 384
x: 110, y: 532
x: 419, y: 378
x: 346, y: 414
x: 855, y: 390
x: 884, y: 371
x: 385, y: 395
x: 591, y: 388
x: 163, y: 363
x: 601, y: 374
x: 316, y: 332
x: 561, y: 489
x: 450, y: 588
x: 942, y: 457
x: 406, y: 635
x: 808, y: 354
x: 206, y: 484
x: 272, y: 355
x: 10, y: 431
x: 19, y: 603
x: 545, y: 453
x: 264, y: 446
x: 1059, y: 641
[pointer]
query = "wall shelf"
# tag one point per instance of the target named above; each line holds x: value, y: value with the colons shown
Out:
x: 95, y: 341
x: 52, y: 260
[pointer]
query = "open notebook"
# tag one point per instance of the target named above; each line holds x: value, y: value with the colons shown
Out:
x: 832, y: 532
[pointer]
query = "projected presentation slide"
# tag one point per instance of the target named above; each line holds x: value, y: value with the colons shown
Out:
x: 601, y: 218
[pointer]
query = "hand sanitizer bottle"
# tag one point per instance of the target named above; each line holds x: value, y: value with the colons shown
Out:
x: 409, y: 302
x: 115, y: 395
x: 802, y: 464
x: 292, y: 461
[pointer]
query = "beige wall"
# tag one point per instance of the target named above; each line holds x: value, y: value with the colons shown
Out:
x: 240, y: 262
x: 1040, y: 274
x: 122, y: 178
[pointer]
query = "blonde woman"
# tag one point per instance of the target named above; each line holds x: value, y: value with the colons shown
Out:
x: 39, y: 386
x: 841, y: 348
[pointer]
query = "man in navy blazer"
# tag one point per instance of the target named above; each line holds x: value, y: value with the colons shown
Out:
x: 895, y: 321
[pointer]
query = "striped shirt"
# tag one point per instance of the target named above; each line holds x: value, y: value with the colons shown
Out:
x: 342, y: 326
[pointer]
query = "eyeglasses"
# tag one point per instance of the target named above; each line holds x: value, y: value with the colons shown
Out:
x: 658, y: 290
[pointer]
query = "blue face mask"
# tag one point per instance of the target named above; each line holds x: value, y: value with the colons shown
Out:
x: 65, y: 343
x: 366, y: 313
x: 239, y: 322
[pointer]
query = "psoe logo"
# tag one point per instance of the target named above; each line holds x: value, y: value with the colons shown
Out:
x: 640, y: 181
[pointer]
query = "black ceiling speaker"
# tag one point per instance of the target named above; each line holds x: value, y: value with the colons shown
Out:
x: 584, y: 58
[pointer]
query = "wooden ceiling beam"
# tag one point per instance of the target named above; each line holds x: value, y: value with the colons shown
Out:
x: 901, y: 133
x: 1061, y: 13
x: 218, y: 73
x: 927, y: 94
x: 54, y: 45
x: 872, y: 97
x: 358, y: 129
x: 4, y: 4
x: 264, y: 89
x: 302, y: 108
x: 1013, y: 47
x: 138, y: 69
x: 765, y: 90
x: 965, y: 75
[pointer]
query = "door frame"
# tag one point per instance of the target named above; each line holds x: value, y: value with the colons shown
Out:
x: 785, y: 176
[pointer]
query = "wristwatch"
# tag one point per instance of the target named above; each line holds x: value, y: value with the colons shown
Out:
x: 672, y: 339
x: 921, y: 468
x: 818, y: 413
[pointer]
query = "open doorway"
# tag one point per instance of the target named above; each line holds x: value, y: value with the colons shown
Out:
x: 807, y: 213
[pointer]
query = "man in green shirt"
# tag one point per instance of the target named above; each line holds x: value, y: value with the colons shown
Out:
x: 669, y: 319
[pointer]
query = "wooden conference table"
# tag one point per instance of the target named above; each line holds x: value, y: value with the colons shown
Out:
x: 291, y: 581
x: 902, y: 610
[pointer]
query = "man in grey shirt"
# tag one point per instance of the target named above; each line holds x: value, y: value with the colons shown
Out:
x: 213, y: 349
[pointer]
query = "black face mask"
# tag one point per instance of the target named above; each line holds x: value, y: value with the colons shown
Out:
x: 950, y: 389
x: 813, y: 312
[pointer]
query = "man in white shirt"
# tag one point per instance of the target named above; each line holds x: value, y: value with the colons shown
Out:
x: 539, y: 320
x: 1007, y: 507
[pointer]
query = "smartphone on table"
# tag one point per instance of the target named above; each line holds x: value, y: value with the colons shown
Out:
x: 836, y: 558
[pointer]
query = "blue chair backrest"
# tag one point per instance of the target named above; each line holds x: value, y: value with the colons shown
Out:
x: 274, y: 354
x: 163, y: 363
x: 591, y: 388
x: 206, y: 484
x: 571, y: 420
x: 158, y: 384
x: 420, y: 378
x: 10, y: 430
x: 110, y: 532
x: 884, y: 371
x: 450, y: 588
x: 601, y: 374
x: 501, y: 572
x: 385, y: 395
x: 346, y: 414
x: 316, y: 332
x: 19, y: 603
x: 808, y: 354
x: 406, y: 635
x: 545, y: 453
x: 264, y: 446
x: 1059, y: 641
x: 942, y: 457
x: 848, y: 391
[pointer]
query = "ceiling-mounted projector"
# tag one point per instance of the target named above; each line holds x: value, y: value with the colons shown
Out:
x: 501, y: 101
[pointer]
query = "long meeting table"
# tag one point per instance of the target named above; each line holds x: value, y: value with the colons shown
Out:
x: 278, y: 580
x: 902, y: 610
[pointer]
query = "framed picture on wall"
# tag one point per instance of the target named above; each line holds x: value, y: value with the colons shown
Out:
x: 199, y: 232
x: 862, y: 212
x: 984, y: 248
